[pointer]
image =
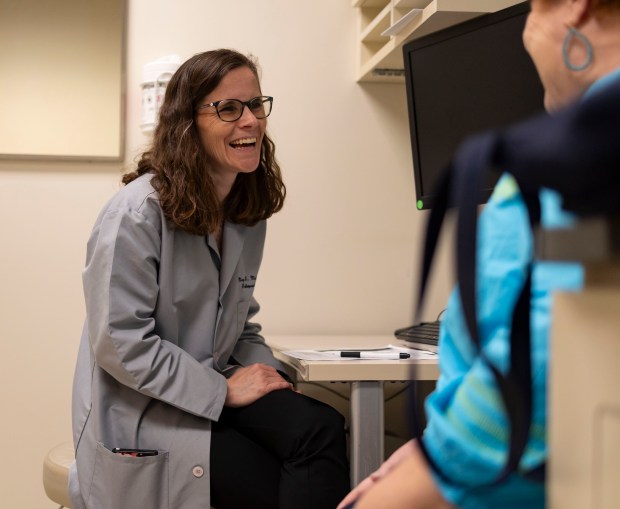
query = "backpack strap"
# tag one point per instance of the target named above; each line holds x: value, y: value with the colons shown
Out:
x: 460, y: 186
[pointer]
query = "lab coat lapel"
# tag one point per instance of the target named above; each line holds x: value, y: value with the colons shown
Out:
x: 233, y: 246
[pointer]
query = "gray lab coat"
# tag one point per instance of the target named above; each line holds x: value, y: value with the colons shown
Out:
x: 165, y: 325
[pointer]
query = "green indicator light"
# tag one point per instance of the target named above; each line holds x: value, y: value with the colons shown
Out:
x: 420, y: 204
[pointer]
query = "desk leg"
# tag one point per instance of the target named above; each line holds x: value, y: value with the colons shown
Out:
x: 367, y: 429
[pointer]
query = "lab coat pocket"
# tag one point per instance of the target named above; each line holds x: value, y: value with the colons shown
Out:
x: 127, y: 481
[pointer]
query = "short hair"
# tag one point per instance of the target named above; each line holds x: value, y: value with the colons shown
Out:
x: 177, y: 158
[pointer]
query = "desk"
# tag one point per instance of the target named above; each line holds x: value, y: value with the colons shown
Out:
x: 366, y: 378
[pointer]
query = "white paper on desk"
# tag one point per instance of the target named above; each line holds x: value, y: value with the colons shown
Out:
x: 334, y: 355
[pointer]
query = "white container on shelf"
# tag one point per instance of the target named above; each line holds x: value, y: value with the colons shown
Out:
x: 155, y: 78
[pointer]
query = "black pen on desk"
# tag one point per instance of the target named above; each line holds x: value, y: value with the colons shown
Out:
x: 390, y: 356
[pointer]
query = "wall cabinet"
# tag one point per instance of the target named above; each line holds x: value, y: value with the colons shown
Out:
x: 385, y: 25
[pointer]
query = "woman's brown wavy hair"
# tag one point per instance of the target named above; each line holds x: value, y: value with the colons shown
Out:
x: 179, y: 162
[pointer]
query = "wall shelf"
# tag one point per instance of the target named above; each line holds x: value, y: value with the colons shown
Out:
x: 380, y: 56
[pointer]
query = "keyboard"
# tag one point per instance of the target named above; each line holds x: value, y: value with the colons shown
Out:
x: 426, y: 333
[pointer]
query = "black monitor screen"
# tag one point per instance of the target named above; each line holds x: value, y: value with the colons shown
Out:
x: 464, y: 79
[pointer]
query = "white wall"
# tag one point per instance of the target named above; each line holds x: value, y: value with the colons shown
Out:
x: 341, y: 257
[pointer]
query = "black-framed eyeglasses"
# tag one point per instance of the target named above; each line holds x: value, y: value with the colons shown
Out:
x: 230, y: 110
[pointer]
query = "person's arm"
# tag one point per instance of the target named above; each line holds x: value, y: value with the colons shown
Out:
x: 408, y: 485
x: 387, y: 466
x: 121, y: 291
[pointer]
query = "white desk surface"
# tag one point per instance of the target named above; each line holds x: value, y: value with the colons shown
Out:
x: 350, y: 370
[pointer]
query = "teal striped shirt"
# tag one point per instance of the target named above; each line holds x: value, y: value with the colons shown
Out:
x: 467, y: 432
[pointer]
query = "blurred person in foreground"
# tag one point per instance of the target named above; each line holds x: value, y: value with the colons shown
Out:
x: 575, y: 46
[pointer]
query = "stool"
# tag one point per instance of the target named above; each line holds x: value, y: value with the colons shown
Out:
x: 56, y: 473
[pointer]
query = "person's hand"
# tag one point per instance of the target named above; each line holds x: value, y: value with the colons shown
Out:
x: 250, y: 383
x: 389, y: 464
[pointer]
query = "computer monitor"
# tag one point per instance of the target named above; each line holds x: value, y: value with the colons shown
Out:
x: 464, y: 79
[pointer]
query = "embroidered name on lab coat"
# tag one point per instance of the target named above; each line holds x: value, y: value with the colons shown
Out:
x: 248, y: 281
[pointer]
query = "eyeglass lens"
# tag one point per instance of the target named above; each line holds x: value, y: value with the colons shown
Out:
x: 230, y: 110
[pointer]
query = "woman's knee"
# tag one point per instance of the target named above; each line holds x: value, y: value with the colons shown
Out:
x: 323, y: 420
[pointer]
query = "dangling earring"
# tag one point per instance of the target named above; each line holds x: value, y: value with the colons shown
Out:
x: 574, y: 33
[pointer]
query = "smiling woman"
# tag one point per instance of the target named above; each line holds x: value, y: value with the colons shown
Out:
x: 171, y: 359
x: 62, y: 74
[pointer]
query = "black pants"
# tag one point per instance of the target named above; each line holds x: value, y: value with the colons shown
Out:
x: 284, y: 451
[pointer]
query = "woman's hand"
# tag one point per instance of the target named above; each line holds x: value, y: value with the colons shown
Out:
x: 402, y: 482
x: 250, y: 383
x: 389, y: 464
